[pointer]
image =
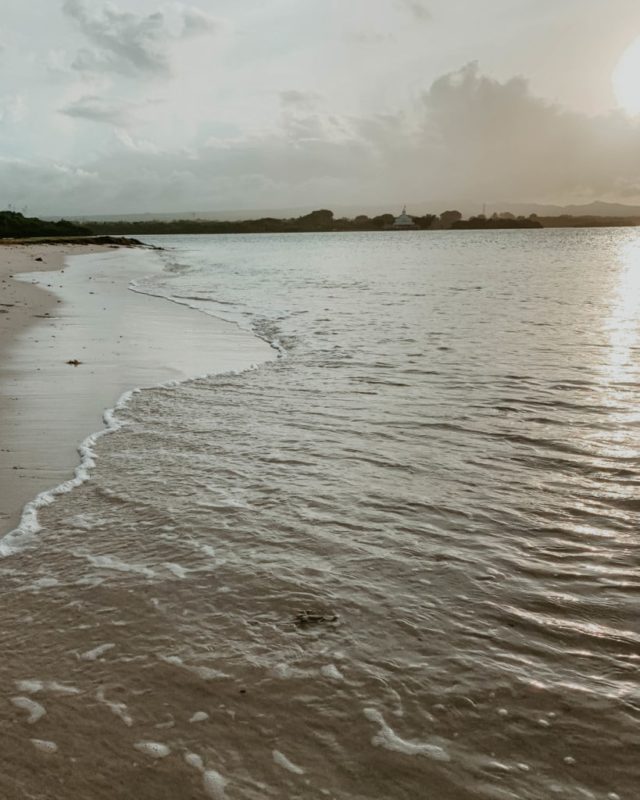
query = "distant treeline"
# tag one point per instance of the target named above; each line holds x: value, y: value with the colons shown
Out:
x: 15, y: 225
x: 316, y: 221
x: 481, y: 223
x: 322, y: 220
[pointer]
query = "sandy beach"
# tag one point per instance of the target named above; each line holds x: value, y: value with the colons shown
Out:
x: 78, y: 306
x: 23, y: 305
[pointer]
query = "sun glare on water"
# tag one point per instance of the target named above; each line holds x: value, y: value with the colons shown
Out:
x: 626, y: 78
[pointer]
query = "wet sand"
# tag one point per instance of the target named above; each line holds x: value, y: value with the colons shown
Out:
x: 81, y: 308
x: 23, y: 305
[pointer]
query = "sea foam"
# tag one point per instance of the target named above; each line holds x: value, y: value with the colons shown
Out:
x: 390, y: 740
x: 29, y: 526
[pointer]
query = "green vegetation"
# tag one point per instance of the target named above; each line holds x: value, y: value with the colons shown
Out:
x: 16, y: 226
x: 317, y: 221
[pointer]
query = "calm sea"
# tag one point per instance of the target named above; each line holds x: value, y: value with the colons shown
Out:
x: 401, y: 561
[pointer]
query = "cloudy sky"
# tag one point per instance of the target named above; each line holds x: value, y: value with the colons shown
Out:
x: 146, y: 106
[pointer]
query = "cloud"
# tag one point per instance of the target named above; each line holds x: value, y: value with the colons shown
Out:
x: 498, y: 140
x: 13, y: 108
x: 370, y: 37
x: 292, y: 98
x: 418, y: 10
x: 470, y: 138
x: 133, y: 44
x: 98, y: 109
x: 196, y: 22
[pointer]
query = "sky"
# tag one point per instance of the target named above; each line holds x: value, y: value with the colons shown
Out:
x: 213, y: 105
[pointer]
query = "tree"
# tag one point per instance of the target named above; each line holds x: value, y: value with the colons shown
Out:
x: 447, y: 218
x: 383, y: 220
x: 323, y: 218
x: 425, y: 221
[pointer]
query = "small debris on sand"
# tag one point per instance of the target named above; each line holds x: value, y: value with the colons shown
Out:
x: 74, y: 362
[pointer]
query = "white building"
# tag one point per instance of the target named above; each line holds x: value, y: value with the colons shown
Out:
x: 404, y: 221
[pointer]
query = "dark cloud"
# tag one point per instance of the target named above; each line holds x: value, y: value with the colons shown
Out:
x: 293, y: 98
x: 195, y: 22
x: 98, y: 109
x: 128, y: 43
x: 417, y: 9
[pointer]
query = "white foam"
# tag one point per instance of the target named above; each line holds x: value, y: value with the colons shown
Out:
x: 29, y: 525
x: 331, y: 671
x: 45, y: 746
x: 44, y: 583
x: 194, y: 760
x: 282, y: 761
x: 30, y: 687
x: 209, y: 674
x: 499, y: 766
x: 116, y: 564
x: 206, y: 673
x: 177, y: 570
x: 94, y: 655
x: 214, y: 784
x: 199, y: 716
x: 35, y: 710
x: 34, y: 687
x: 153, y: 749
x: 390, y: 740
x: 119, y: 709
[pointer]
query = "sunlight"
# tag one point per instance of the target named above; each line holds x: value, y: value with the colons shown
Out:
x: 625, y: 78
x: 623, y: 325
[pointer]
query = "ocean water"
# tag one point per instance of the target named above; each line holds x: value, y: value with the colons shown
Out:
x: 400, y: 561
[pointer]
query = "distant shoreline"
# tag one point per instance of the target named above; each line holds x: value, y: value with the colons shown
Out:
x: 16, y: 229
x: 428, y: 224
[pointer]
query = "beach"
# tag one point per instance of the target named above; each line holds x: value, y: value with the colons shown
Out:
x: 22, y: 305
x: 396, y: 559
x: 79, y: 307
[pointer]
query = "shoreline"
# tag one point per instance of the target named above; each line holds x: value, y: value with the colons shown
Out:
x: 51, y: 410
x: 22, y: 305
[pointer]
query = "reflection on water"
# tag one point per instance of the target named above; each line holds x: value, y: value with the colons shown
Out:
x: 623, y: 324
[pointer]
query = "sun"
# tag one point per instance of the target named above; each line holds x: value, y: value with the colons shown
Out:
x: 626, y: 78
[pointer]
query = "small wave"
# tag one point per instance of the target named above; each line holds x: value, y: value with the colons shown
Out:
x: 29, y: 524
